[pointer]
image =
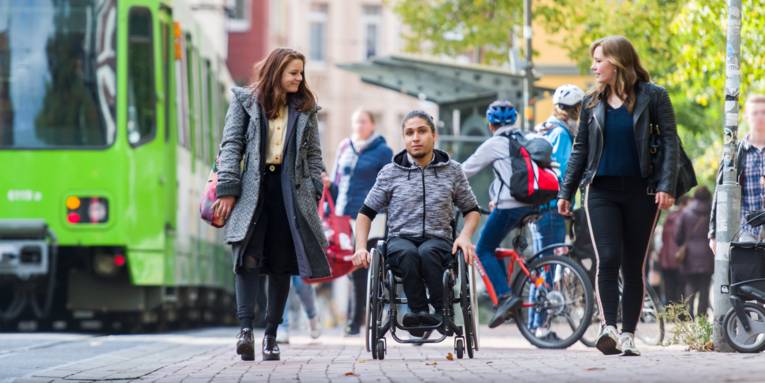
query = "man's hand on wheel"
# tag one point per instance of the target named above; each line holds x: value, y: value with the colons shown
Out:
x: 467, y: 247
x: 361, y: 258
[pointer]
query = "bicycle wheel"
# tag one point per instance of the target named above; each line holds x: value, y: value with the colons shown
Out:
x: 556, y: 302
x: 650, y: 329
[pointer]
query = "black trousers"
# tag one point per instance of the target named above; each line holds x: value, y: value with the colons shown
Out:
x: 673, y: 285
x: 622, y: 217
x: 269, y: 250
x: 421, y: 263
x: 698, y: 283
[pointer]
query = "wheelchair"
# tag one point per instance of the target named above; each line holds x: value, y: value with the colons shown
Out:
x: 383, y: 303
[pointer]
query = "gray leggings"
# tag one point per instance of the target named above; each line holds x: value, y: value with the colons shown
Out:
x: 277, y: 293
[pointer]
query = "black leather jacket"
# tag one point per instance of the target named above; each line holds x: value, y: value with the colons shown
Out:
x: 588, y: 144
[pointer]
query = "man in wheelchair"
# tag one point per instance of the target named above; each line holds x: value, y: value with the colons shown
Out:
x: 419, y: 189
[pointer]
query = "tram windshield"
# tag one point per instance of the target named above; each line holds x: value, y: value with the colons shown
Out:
x: 57, y: 73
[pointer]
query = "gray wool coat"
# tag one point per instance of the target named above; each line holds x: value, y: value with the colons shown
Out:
x: 240, y: 170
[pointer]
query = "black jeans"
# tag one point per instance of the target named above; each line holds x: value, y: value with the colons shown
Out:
x: 421, y: 263
x: 278, y: 290
x: 622, y: 217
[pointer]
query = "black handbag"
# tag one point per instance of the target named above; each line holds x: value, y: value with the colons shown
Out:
x: 686, y: 176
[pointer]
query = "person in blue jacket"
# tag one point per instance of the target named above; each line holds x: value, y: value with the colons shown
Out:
x: 358, y: 160
x: 560, y: 130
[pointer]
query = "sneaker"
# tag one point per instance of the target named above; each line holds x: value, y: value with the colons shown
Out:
x: 627, y: 341
x: 245, y: 345
x: 315, y: 327
x: 608, y: 341
x: 504, y: 310
x: 283, y: 336
x: 412, y: 319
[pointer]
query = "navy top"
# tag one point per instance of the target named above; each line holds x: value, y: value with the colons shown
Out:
x: 619, y: 156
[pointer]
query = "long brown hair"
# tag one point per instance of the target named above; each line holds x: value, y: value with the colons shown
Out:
x: 621, y: 54
x: 267, y: 86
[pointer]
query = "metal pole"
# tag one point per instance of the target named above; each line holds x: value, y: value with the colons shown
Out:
x: 528, y: 85
x: 729, y: 193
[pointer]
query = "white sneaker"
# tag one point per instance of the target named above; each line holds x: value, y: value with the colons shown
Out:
x: 283, y: 336
x: 315, y: 326
x: 608, y: 341
x: 627, y: 342
x: 541, y: 332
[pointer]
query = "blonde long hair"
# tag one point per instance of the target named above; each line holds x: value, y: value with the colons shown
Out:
x: 621, y: 54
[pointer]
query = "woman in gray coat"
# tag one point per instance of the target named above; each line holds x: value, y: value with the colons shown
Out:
x: 269, y: 182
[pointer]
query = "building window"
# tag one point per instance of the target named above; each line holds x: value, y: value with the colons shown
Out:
x: 239, y: 15
x: 318, y: 33
x: 371, y: 22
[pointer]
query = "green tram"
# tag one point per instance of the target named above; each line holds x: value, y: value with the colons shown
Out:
x: 110, y: 115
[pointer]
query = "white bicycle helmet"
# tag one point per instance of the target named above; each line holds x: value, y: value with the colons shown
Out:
x: 568, y: 95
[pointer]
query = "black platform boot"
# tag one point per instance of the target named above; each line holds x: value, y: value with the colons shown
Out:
x: 270, y: 348
x: 245, y: 345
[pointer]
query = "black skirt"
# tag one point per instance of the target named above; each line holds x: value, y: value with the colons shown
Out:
x: 268, y: 247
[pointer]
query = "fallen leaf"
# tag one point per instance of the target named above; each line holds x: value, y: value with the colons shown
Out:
x: 431, y: 364
x: 350, y: 373
x: 449, y: 356
x: 594, y: 369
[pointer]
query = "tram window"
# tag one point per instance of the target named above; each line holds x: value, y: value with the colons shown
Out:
x: 189, y: 109
x: 141, y: 97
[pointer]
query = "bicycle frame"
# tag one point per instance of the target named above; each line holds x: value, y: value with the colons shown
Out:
x: 502, y: 253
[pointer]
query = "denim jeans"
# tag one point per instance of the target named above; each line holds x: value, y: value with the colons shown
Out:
x: 497, y: 226
x: 551, y: 229
x: 307, y: 296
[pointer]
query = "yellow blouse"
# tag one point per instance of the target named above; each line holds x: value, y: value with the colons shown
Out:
x: 277, y: 131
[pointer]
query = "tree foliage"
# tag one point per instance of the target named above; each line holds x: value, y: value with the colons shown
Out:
x: 681, y: 43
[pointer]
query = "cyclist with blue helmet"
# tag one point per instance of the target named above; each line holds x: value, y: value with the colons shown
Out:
x: 507, y: 212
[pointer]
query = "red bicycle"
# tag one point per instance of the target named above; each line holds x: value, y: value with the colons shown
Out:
x: 556, y: 292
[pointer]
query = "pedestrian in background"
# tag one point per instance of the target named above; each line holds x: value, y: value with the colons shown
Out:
x: 271, y: 164
x: 612, y: 162
x: 359, y: 158
x: 671, y: 277
x: 698, y: 260
x: 559, y: 129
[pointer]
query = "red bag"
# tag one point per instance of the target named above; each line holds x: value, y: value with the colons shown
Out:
x: 339, y: 234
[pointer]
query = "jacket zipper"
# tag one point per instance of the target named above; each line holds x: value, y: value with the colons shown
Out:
x: 423, y: 202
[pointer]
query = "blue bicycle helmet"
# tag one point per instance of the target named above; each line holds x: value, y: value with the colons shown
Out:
x: 501, y: 113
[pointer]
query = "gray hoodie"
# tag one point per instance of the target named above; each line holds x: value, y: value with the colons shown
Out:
x: 420, y: 201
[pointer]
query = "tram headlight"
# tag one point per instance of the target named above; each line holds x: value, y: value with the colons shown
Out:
x: 87, y: 210
x: 103, y: 264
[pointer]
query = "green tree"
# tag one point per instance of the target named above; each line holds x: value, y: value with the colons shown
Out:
x: 681, y: 43
x: 454, y: 27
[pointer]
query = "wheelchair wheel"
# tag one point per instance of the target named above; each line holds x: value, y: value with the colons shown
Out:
x: 380, y: 348
x: 467, y: 293
x: 459, y: 347
x: 737, y: 336
x: 556, y: 302
x: 374, y: 281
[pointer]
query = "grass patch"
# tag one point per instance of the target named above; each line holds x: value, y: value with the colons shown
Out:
x: 695, y: 333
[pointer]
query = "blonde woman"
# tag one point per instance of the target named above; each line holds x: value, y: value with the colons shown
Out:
x: 612, y: 161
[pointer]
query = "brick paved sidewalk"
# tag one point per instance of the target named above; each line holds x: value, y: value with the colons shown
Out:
x: 208, y: 356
